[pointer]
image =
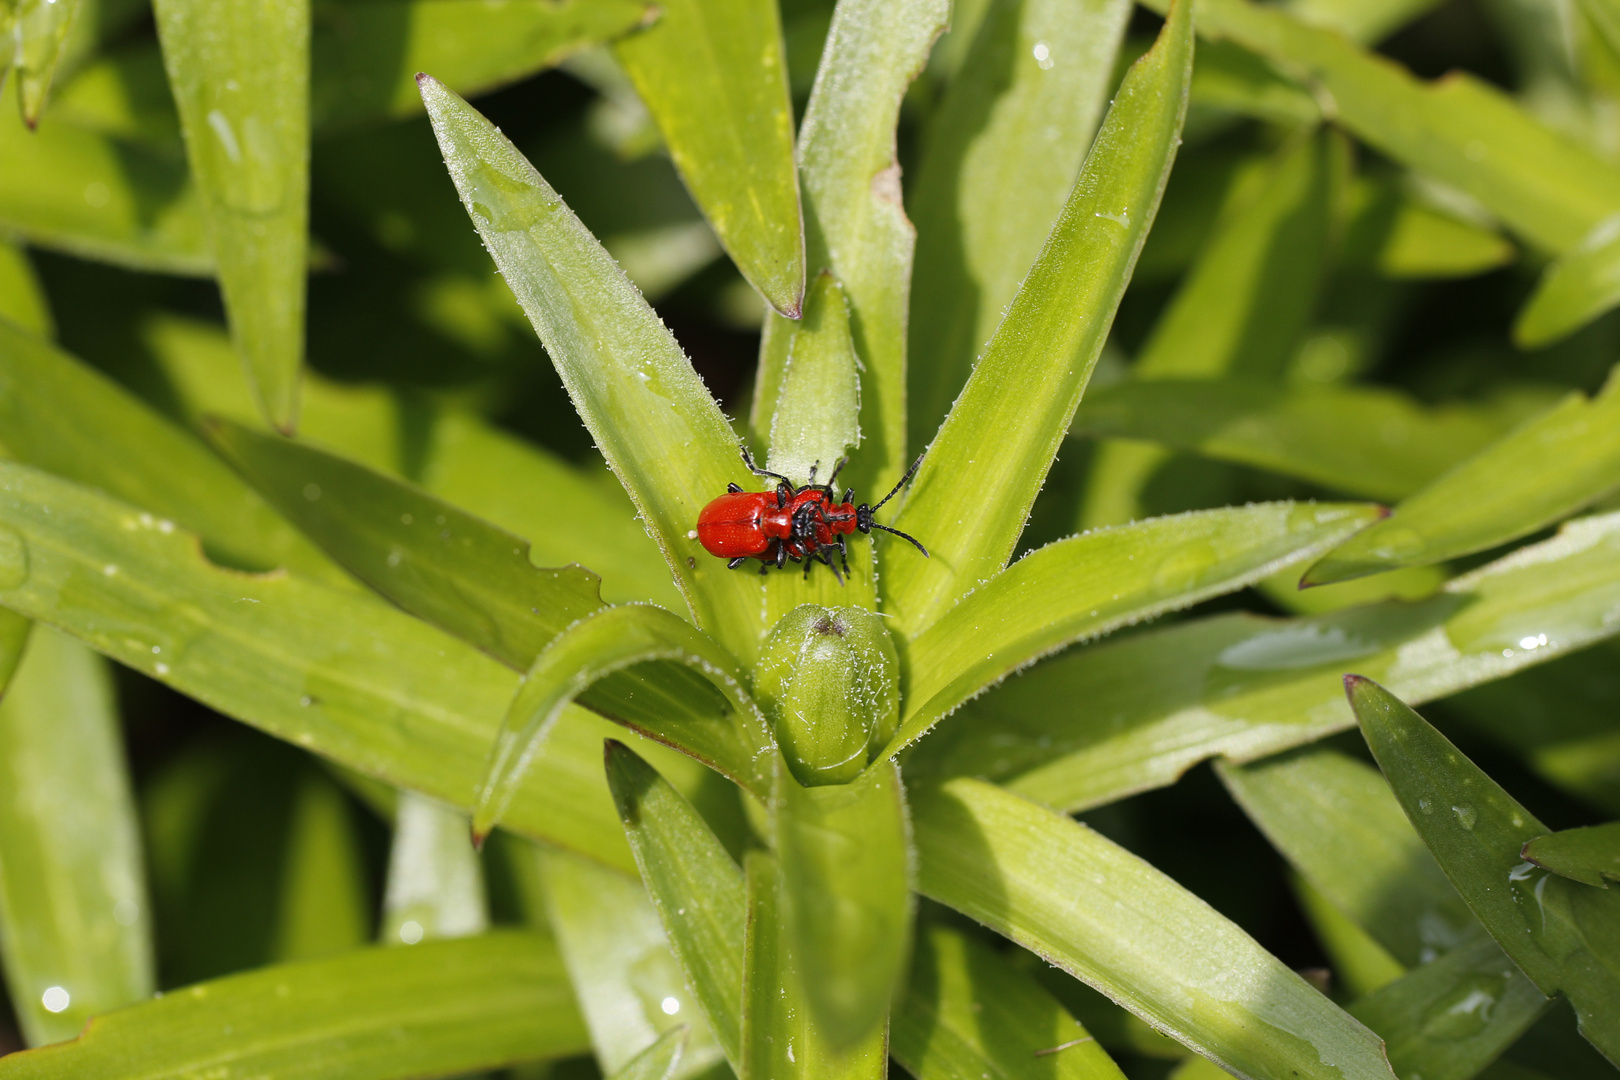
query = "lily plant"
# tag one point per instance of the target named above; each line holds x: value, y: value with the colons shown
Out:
x: 757, y: 796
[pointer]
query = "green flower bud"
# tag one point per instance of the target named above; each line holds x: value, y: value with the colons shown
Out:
x: 828, y: 679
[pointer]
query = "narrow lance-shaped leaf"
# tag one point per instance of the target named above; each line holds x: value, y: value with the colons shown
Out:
x: 1046, y: 600
x: 322, y: 907
x: 846, y: 868
x: 433, y: 560
x: 1241, y: 308
x: 1114, y: 922
x: 646, y: 408
x: 1574, y: 290
x: 75, y: 923
x: 435, y: 885
x: 440, y: 1009
x: 366, y: 53
x: 1368, y: 441
x: 1458, y: 130
x: 1561, y: 933
x: 1449, y: 1019
x: 39, y: 29
x: 781, y: 1036
x: 240, y: 73
x: 22, y: 297
x: 308, y: 664
x: 1588, y: 854
x: 695, y: 885
x: 472, y: 579
x: 596, y: 646
x: 993, y: 453
x: 968, y: 1012
x: 713, y: 75
x: 1244, y: 686
x: 855, y: 222
x: 1546, y: 469
x: 816, y: 419
x: 629, y: 985
x: 1334, y: 819
x: 1019, y: 117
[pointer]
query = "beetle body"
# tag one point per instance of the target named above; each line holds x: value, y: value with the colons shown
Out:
x: 788, y: 523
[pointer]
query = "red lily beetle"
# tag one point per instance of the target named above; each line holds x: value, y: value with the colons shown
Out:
x: 790, y: 523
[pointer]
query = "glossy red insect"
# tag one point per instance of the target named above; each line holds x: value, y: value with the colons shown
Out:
x: 790, y: 523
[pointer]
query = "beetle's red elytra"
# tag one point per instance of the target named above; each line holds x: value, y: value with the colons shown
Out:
x: 790, y: 523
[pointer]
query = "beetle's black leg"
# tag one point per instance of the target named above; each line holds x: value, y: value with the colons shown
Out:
x: 781, y: 555
x: 813, y: 467
x: 748, y: 460
x: 733, y: 488
x: 843, y: 554
x: 849, y: 496
x: 834, y: 476
x: 732, y: 564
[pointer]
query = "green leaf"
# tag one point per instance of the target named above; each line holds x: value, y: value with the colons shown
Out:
x: 1361, y: 20
x: 846, y: 904
x: 323, y: 906
x: 1053, y: 597
x: 629, y: 985
x: 1368, y: 441
x: 1020, y: 116
x: 1605, y: 18
x: 695, y: 885
x: 1359, y: 964
x: 1392, y: 234
x: 240, y: 74
x: 1574, y: 290
x: 968, y: 1013
x: 442, y: 1008
x: 1449, y: 1019
x: 817, y: 412
x: 1241, y: 309
x: 660, y: 1061
x: 366, y: 53
x: 781, y: 1037
x: 75, y: 923
x: 713, y: 75
x: 435, y: 883
x: 648, y: 411
x: 1245, y: 687
x: 855, y: 222
x: 1542, y: 471
x: 431, y: 559
x: 1335, y: 820
x: 1561, y: 933
x: 1025, y: 387
x: 597, y: 646
x: 307, y: 663
x: 61, y: 415
x: 76, y: 191
x: 458, y: 456
x: 1589, y: 854
x: 1460, y: 131
x: 39, y: 30
x: 1112, y: 921
x: 478, y: 583
x: 22, y: 297
x: 1229, y: 81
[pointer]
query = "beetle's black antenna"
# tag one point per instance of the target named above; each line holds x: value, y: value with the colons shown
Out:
x: 909, y: 474
x: 903, y: 536
x: 833, y: 478
x: 748, y: 460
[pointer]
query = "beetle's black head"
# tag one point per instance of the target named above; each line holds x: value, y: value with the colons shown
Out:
x: 863, y: 518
